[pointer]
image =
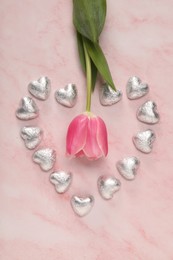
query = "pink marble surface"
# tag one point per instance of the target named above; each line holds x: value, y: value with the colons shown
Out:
x: 37, y: 38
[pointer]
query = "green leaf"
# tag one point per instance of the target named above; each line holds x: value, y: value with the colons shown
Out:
x: 81, y: 51
x: 98, y: 58
x: 94, y: 75
x: 83, y: 62
x: 89, y: 17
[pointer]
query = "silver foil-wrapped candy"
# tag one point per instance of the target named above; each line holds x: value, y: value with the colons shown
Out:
x: 108, y: 96
x: 61, y: 180
x: 144, y: 140
x: 27, y: 109
x: 128, y: 167
x: 107, y: 186
x: 135, y: 88
x: 40, y: 88
x: 82, y: 205
x: 67, y: 96
x: 147, y: 113
x: 45, y: 158
x: 32, y: 136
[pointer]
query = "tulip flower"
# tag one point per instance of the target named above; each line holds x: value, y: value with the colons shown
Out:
x: 87, y: 136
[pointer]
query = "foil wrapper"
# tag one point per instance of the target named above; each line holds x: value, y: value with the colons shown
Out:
x: 108, y: 96
x: 32, y: 136
x: 27, y: 109
x: 147, y: 113
x: 61, y: 180
x: 82, y: 205
x: 135, y: 88
x: 143, y: 141
x: 128, y: 167
x: 40, y: 88
x: 45, y: 158
x: 67, y: 96
x: 108, y: 186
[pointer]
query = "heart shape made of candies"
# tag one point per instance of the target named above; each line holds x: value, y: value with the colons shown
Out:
x: 107, y: 185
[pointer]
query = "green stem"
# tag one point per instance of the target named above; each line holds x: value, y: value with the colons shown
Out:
x: 89, y: 79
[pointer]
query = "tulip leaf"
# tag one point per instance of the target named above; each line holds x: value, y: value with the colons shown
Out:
x: 82, y: 60
x: 81, y: 51
x: 94, y: 75
x: 96, y: 54
x: 89, y: 17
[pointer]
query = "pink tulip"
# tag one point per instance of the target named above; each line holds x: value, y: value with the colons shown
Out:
x: 87, y: 136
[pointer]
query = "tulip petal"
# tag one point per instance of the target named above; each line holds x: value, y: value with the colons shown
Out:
x: 102, y: 136
x: 80, y: 154
x: 91, y: 148
x: 76, y: 135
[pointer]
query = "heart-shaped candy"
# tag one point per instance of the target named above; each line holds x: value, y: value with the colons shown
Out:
x: 67, y: 96
x: 82, y: 205
x: 40, y: 88
x: 61, y: 180
x: 107, y: 186
x: 128, y: 167
x: 147, y: 113
x: 27, y: 109
x: 32, y: 136
x: 108, y: 96
x: 143, y: 141
x: 135, y: 88
x: 45, y: 158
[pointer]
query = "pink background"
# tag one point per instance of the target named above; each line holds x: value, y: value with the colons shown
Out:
x: 37, y: 38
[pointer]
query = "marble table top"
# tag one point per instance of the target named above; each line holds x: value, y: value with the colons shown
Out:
x: 37, y: 38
